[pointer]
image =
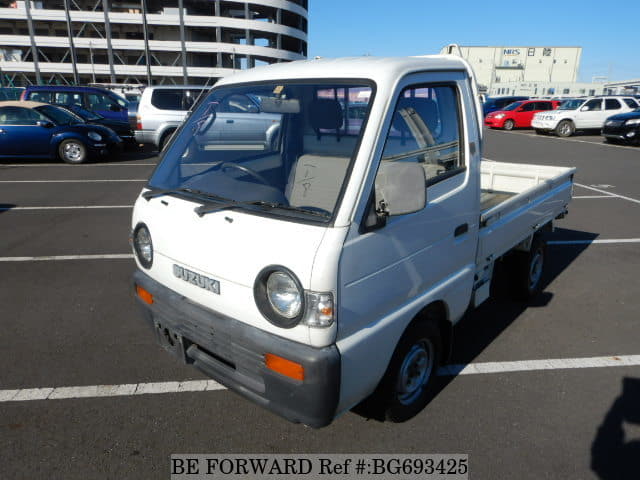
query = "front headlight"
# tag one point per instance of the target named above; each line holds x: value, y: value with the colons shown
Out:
x: 633, y: 121
x: 142, y: 245
x: 94, y: 136
x: 499, y: 116
x: 281, y: 299
x: 283, y: 295
x: 279, y: 296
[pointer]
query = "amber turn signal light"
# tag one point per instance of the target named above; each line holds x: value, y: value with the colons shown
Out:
x: 145, y: 296
x: 284, y: 367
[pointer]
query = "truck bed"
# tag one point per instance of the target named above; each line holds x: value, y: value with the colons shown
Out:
x: 517, y: 199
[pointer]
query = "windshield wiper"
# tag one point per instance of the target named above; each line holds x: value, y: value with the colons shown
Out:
x: 158, y: 192
x: 282, y: 206
x: 225, y: 203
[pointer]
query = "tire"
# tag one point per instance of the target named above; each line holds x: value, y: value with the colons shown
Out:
x: 527, y: 270
x: 72, y: 151
x: 565, y: 128
x: 165, y: 139
x: 509, y: 124
x: 405, y: 388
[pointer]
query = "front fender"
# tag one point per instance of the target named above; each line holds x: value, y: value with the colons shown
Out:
x: 58, y: 138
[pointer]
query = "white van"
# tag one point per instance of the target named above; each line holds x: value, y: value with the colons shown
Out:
x: 330, y: 265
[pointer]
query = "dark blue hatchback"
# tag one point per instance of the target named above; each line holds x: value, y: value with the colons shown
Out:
x: 97, y: 100
x: 39, y: 130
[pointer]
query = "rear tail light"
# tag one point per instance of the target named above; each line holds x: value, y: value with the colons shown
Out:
x: 138, y: 122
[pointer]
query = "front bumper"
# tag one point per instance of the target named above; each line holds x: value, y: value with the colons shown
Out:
x: 494, y: 122
x: 232, y: 353
x: 544, y: 124
x: 622, y: 132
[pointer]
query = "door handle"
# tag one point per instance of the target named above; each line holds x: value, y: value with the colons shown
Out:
x: 229, y: 121
x: 461, y: 229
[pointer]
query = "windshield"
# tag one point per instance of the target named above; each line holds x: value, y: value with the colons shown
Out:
x: 84, y: 113
x: 512, y: 106
x: 571, y: 104
x: 288, y: 145
x: 60, y: 116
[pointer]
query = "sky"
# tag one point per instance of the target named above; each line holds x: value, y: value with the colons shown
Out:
x: 609, y: 37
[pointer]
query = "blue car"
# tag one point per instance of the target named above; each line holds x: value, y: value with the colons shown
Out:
x: 493, y: 104
x: 39, y: 130
x: 97, y: 100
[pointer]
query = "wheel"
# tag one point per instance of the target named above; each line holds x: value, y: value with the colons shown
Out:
x: 527, y: 272
x: 72, y: 151
x: 404, y: 390
x: 247, y: 170
x: 509, y: 124
x: 565, y: 128
x: 165, y: 139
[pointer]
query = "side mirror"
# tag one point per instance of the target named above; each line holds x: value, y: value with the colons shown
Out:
x: 44, y: 124
x: 400, y: 188
x: 114, y: 108
x: 584, y: 109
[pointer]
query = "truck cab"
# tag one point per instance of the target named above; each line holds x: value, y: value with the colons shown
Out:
x: 329, y: 264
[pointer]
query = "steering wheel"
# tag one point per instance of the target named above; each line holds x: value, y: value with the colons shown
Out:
x: 247, y: 170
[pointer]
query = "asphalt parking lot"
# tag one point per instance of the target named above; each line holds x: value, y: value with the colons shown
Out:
x: 551, y: 390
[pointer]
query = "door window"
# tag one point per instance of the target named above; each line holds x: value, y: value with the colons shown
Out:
x: 68, y: 98
x: 19, y: 116
x: 44, y: 97
x: 630, y: 103
x: 594, y: 105
x: 543, y: 106
x: 425, y: 129
x: 529, y: 107
x: 101, y: 102
x: 612, y: 104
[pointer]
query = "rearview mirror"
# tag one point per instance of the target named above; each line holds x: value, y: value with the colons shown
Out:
x: 400, y: 188
x: 44, y: 123
x: 114, y: 108
x: 584, y: 109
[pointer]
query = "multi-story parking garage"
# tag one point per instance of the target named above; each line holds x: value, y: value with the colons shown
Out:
x: 145, y: 41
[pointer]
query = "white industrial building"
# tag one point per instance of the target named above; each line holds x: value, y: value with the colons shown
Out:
x: 146, y: 41
x: 504, y: 69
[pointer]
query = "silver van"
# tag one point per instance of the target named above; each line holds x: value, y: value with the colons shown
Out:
x: 161, y: 111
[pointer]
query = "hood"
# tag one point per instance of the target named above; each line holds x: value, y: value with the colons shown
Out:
x: 625, y: 116
x: 117, y: 126
x: 231, y: 245
x: 90, y: 127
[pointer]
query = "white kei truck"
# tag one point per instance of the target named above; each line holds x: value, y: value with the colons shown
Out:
x: 328, y: 266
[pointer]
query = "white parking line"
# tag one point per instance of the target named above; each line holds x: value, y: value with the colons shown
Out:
x: 115, y: 256
x: 554, y: 137
x: 73, y: 207
x: 130, y: 389
x: 611, y: 194
x: 76, y: 181
x: 588, y: 242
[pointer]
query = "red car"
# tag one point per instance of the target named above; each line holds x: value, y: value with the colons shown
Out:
x: 518, y: 114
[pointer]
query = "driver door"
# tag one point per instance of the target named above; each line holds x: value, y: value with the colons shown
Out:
x: 20, y: 134
x: 590, y: 114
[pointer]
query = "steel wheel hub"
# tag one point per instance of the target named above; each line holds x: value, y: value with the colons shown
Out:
x: 72, y: 151
x: 415, y: 372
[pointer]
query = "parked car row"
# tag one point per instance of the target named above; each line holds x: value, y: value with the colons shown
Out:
x: 618, y: 117
x: 31, y: 129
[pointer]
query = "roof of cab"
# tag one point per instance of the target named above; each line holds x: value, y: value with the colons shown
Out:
x: 22, y: 103
x: 378, y: 69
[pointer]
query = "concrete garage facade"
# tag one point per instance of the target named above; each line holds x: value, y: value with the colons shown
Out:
x: 145, y: 41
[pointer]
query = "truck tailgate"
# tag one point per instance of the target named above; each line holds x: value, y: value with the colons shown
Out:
x: 516, y: 200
